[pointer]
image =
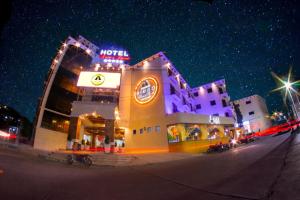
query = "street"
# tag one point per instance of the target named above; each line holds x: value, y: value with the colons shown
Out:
x: 247, y: 172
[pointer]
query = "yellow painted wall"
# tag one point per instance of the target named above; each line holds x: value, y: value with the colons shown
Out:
x: 145, y: 115
x: 198, y: 146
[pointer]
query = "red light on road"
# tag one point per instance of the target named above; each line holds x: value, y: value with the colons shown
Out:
x: 7, y: 135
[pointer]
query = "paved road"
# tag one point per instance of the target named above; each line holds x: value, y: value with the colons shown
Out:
x: 248, y: 172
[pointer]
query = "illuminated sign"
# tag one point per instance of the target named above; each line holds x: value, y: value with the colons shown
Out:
x: 214, y: 119
x: 146, y: 90
x: 114, y: 56
x: 99, y: 79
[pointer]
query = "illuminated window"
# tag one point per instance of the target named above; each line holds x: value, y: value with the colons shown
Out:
x: 149, y: 129
x: 133, y: 131
x: 213, y: 103
x: 157, y: 129
x: 141, y: 131
x: 209, y: 90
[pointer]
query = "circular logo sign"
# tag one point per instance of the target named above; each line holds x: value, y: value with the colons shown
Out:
x: 146, y: 90
x: 98, y: 79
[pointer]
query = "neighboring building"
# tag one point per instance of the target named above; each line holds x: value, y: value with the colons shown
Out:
x: 146, y: 107
x: 212, y: 99
x: 14, y: 123
x: 254, y: 113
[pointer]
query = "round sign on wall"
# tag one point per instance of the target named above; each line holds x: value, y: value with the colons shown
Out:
x: 98, y: 79
x: 146, y: 90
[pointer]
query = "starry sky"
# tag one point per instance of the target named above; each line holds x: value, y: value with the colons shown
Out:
x: 239, y: 40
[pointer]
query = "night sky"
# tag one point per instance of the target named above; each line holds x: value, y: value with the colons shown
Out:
x: 239, y: 40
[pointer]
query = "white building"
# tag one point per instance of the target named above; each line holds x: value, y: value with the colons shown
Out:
x: 254, y: 112
x: 212, y: 99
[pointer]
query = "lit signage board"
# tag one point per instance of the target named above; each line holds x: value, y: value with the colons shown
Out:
x: 214, y: 119
x: 99, y: 80
x: 114, y: 56
x: 146, y: 90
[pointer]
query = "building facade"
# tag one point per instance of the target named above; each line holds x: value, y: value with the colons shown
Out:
x: 255, y: 115
x: 145, y: 107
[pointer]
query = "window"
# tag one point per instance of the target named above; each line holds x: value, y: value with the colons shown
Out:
x: 172, y: 89
x: 196, y: 94
x: 55, y: 122
x: 170, y: 73
x: 221, y: 90
x: 149, y: 129
x: 133, y: 131
x: 213, y: 103
x: 183, y: 101
x: 141, y: 131
x: 157, y: 129
x: 216, y: 114
x: 224, y: 103
x: 248, y: 102
x: 190, y: 106
x: 181, y: 85
x: 251, y: 113
x: 175, y: 109
x: 226, y: 114
x: 198, y: 106
x: 209, y: 90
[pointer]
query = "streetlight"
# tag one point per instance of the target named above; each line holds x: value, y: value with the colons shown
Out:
x: 288, y: 86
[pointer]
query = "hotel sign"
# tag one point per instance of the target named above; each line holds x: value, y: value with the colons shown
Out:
x: 114, y: 56
x: 146, y: 90
x: 99, y: 80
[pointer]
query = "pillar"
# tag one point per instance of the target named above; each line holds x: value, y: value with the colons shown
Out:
x: 73, y: 128
x: 110, y: 129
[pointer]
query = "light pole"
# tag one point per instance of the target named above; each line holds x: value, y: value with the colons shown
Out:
x: 288, y: 86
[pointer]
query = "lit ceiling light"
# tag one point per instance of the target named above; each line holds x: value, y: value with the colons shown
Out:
x: 88, y: 51
x: 77, y: 44
x: 64, y: 44
x: 145, y: 63
x: 60, y: 51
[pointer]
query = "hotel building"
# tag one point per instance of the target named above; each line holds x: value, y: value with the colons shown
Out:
x: 254, y: 113
x: 90, y: 93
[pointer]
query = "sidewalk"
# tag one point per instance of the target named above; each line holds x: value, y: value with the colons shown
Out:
x: 101, y: 158
x: 116, y: 160
x: 288, y: 183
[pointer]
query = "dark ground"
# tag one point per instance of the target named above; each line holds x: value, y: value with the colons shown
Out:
x: 248, y: 172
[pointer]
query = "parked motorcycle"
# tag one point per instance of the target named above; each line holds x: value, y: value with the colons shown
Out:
x: 83, y: 159
x: 218, y: 148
